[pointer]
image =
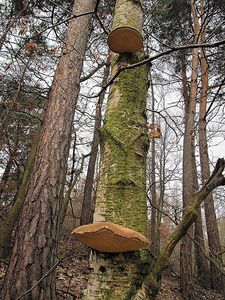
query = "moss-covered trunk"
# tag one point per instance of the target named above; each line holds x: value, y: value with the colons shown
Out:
x: 121, y: 194
x: 124, y: 142
x: 13, y: 214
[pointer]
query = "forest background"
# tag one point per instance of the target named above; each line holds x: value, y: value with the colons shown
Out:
x: 32, y: 42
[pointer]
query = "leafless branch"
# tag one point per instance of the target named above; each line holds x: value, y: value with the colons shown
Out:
x: 93, y: 71
x: 214, y: 98
x: 148, y: 60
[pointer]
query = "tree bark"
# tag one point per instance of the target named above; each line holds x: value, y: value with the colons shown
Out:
x: 200, y: 259
x: 87, y: 211
x: 13, y: 214
x: 217, y: 280
x: 35, y: 246
x: 154, y: 247
x: 162, y: 177
x: 5, y: 177
x: 186, y: 263
x: 121, y: 193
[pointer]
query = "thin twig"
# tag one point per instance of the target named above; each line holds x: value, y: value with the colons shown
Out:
x: 45, y: 275
x: 214, y: 98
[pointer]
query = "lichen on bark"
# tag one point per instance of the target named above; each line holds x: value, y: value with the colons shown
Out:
x: 121, y: 195
x: 128, y: 13
x: 116, y: 276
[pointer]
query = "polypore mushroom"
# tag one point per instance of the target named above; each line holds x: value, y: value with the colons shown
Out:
x: 110, y: 237
x: 125, y: 40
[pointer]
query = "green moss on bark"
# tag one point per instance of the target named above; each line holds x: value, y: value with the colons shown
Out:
x: 121, y: 196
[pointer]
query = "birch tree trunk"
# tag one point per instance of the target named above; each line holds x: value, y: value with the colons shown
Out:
x: 35, y: 247
x: 121, y: 194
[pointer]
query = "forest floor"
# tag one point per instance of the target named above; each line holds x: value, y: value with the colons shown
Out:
x: 72, y: 274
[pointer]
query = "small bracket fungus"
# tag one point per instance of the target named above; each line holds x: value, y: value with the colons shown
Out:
x: 154, y: 131
x: 110, y: 237
x: 125, y: 40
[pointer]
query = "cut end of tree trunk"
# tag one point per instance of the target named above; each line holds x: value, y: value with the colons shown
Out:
x: 110, y: 237
x: 125, y: 40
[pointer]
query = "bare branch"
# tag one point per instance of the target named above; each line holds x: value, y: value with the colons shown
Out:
x: 93, y: 71
x: 148, y: 60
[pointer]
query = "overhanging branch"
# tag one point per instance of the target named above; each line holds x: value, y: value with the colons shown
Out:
x: 149, y: 60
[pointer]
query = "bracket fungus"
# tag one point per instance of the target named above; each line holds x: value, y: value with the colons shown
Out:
x: 110, y: 237
x: 154, y: 131
x: 125, y: 40
x: 126, y: 36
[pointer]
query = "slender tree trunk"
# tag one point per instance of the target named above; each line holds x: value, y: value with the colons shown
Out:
x: 121, y: 194
x: 87, y: 211
x: 217, y: 279
x: 35, y: 247
x: 186, y: 263
x: 154, y: 248
x: 186, y: 244
x: 200, y: 259
x: 5, y: 177
x: 162, y: 187
x: 10, y: 23
x: 13, y: 214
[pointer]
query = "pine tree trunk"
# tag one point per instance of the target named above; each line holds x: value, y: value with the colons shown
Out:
x: 121, y: 194
x: 186, y: 271
x: 186, y: 263
x: 217, y: 279
x: 200, y: 259
x: 87, y: 212
x: 35, y: 247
